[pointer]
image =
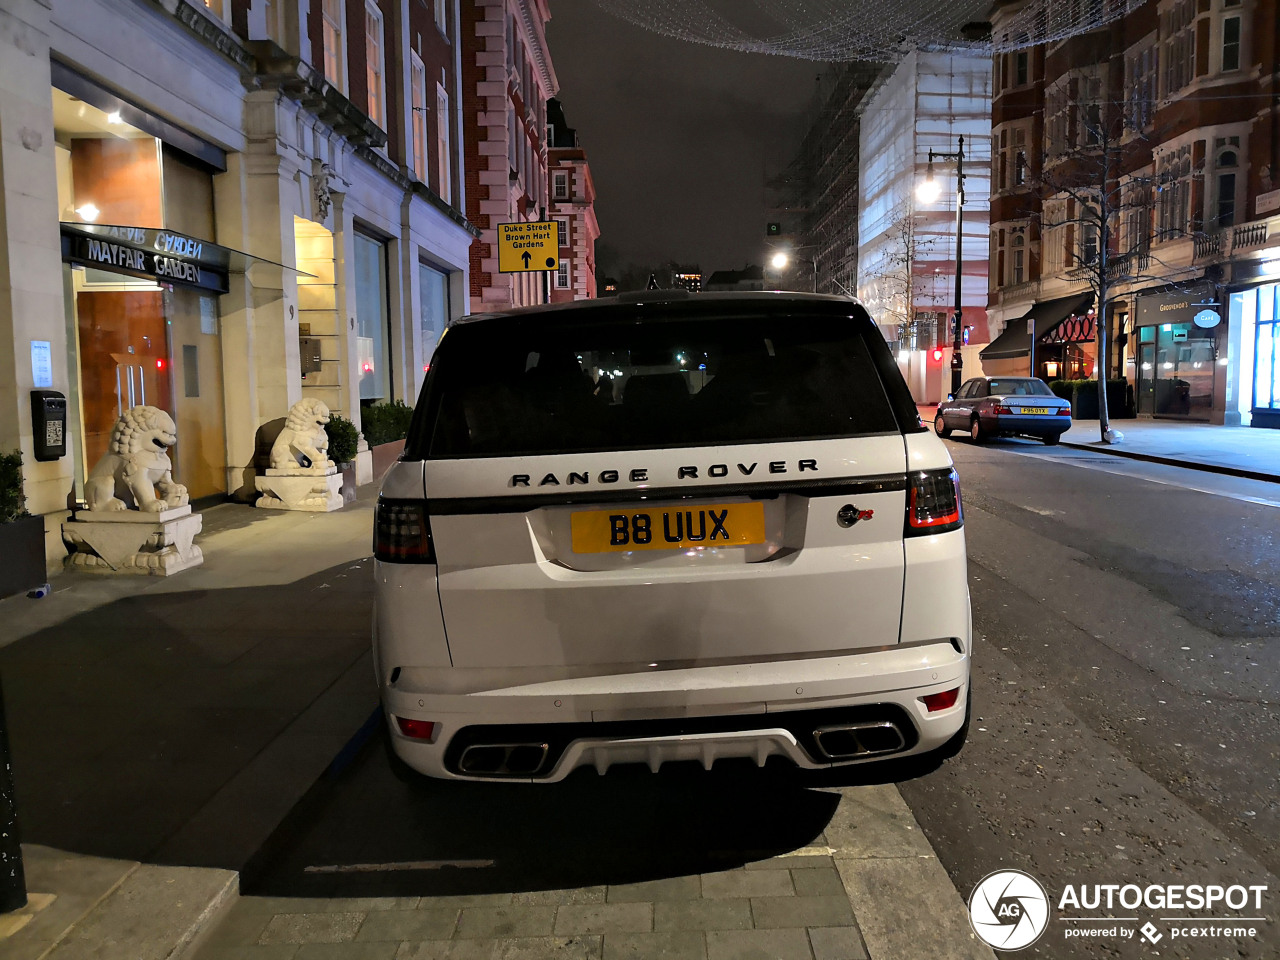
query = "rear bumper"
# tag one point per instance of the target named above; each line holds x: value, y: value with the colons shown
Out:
x: 1036, y: 426
x: 753, y: 710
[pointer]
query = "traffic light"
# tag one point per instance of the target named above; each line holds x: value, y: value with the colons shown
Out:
x: 773, y: 229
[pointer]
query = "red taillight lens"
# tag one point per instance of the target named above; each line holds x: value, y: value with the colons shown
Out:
x: 941, y: 701
x: 1003, y: 409
x: 418, y: 729
x: 1064, y: 411
x: 933, y: 502
x: 401, y: 533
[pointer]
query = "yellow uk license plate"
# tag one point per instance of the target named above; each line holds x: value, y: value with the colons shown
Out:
x: 667, y: 528
x: 1035, y: 409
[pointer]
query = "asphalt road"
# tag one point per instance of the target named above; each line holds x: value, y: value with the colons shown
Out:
x: 1126, y: 690
x: 1126, y: 683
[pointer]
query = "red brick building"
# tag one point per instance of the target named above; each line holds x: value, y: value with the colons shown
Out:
x: 1171, y: 115
x: 573, y: 199
x: 507, y: 79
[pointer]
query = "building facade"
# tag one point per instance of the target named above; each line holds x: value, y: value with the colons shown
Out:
x: 1156, y: 191
x: 906, y: 247
x: 218, y: 210
x: 507, y: 79
x: 573, y: 207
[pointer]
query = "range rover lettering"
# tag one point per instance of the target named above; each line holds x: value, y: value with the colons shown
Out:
x: 669, y: 528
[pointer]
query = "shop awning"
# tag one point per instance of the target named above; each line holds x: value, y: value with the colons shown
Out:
x: 1016, y: 342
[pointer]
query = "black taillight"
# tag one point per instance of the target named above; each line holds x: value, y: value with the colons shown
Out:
x: 401, y: 532
x: 933, y: 502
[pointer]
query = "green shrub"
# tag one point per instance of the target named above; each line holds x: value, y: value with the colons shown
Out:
x: 1083, y: 395
x: 385, y: 422
x: 12, y: 499
x: 344, y: 438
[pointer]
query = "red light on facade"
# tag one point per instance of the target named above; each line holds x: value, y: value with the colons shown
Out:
x: 159, y: 364
x: 937, y: 354
x: 368, y: 368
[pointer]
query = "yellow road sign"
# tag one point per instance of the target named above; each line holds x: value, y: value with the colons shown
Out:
x: 526, y: 247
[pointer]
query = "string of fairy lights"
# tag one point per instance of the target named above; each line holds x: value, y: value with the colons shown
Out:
x: 869, y: 30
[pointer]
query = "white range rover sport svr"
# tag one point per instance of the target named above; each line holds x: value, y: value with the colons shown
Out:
x: 669, y: 528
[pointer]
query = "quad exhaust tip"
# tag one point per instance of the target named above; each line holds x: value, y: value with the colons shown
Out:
x: 503, y: 759
x: 852, y: 741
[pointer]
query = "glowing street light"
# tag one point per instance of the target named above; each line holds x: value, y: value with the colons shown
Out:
x: 780, y: 261
x: 929, y: 189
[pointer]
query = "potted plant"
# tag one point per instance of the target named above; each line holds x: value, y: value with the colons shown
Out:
x: 21, y: 535
x: 344, y: 441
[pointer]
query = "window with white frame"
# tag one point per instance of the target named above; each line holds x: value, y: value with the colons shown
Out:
x: 219, y: 8
x: 333, y: 16
x: 1178, y: 45
x: 1053, y: 237
x: 1230, y: 43
x: 442, y: 16
x: 1089, y: 113
x: 1057, y: 123
x: 1018, y: 258
x: 418, y: 83
x: 1088, y: 233
x: 562, y: 275
x: 998, y: 256
x: 1135, y: 201
x: 1225, y: 192
x: 442, y: 142
x: 375, y: 69
x: 1140, y: 87
x: 1173, y: 206
x: 560, y: 186
x: 563, y: 226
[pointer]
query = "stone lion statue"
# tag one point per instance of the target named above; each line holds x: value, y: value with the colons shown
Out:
x: 137, y: 465
x: 303, y: 441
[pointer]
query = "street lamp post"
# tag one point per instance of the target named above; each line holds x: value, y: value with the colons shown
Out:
x: 782, y: 259
x: 929, y: 192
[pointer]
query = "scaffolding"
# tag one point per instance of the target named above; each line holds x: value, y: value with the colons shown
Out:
x: 815, y: 198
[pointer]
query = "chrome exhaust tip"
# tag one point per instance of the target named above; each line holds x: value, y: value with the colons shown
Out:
x: 852, y: 741
x: 503, y: 759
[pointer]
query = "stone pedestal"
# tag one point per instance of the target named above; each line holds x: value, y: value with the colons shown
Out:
x: 317, y: 490
x: 133, y: 541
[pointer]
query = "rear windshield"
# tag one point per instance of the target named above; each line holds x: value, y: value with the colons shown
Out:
x: 550, y: 388
x: 1020, y: 387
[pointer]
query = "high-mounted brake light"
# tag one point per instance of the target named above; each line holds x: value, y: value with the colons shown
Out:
x: 401, y: 532
x: 933, y: 502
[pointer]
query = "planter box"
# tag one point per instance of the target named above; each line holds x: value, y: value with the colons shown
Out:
x: 384, y: 455
x: 22, y: 549
x: 348, y: 470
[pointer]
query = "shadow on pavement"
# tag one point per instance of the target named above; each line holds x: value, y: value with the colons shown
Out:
x: 380, y: 829
x: 124, y: 721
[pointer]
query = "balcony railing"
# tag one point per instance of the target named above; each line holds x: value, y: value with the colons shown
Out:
x: 1231, y: 240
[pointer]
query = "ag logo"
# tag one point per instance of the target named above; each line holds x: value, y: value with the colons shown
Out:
x: 1009, y: 910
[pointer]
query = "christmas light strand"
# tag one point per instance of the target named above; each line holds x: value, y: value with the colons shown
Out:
x: 868, y: 30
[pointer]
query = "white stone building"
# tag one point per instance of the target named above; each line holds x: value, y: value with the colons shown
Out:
x: 218, y: 210
x: 907, y: 248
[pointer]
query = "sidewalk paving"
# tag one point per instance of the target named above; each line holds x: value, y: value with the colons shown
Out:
x: 1234, y: 451
x: 161, y: 730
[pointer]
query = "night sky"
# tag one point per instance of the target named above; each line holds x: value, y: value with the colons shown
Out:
x: 678, y: 136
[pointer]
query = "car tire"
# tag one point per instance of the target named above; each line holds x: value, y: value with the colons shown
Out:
x: 1051, y: 441
x: 976, y: 433
x: 940, y: 427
